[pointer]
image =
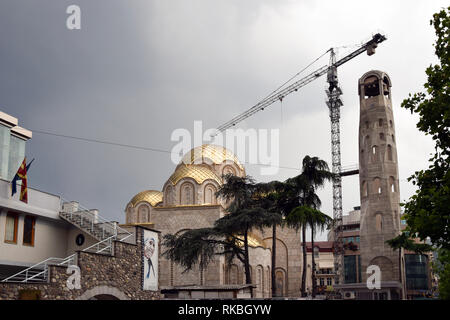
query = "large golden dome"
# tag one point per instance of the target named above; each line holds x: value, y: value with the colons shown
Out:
x: 151, y: 196
x: 197, y: 172
x: 210, y: 154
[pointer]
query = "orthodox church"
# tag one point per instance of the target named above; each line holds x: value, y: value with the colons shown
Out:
x: 187, y: 201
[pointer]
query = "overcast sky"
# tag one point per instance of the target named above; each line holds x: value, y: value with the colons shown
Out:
x: 137, y: 70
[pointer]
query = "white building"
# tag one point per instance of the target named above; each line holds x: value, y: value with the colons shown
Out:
x: 44, y: 227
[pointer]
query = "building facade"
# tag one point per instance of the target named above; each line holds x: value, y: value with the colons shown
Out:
x: 188, y: 201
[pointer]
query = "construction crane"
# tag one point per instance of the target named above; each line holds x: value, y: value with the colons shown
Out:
x: 334, y: 104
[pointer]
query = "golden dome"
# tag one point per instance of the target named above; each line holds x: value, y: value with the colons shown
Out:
x: 197, y: 172
x: 210, y: 153
x: 253, y: 241
x: 151, y: 196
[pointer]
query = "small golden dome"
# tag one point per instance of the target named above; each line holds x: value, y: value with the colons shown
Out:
x: 210, y: 153
x: 253, y: 241
x: 151, y: 196
x: 197, y: 172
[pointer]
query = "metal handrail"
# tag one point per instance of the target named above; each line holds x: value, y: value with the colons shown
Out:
x: 114, y: 228
x: 61, y: 261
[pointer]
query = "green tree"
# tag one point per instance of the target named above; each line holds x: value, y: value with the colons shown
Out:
x: 229, y: 235
x: 427, y: 211
x: 301, y: 190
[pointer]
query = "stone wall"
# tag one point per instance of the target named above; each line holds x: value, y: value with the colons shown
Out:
x: 118, y: 275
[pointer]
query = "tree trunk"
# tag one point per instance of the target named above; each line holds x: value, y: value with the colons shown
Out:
x: 274, y: 251
x: 304, y: 261
x: 248, y: 278
x: 313, y: 264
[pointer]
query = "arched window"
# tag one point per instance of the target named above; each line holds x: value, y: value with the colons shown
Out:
x: 377, y: 185
x: 390, y: 123
x: 374, y: 154
x: 169, y: 196
x: 143, y: 213
x: 379, y: 222
x: 392, y: 184
x: 364, y: 189
x: 371, y: 87
x: 385, y: 86
x: 393, y: 138
x: 389, y: 152
x: 227, y: 170
x: 380, y: 122
x: 382, y: 136
x: 210, y: 194
x: 187, y: 194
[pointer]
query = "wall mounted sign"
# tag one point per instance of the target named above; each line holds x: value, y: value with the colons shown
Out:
x: 150, y: 260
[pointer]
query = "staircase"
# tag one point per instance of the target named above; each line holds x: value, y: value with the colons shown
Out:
x: 86, y: 220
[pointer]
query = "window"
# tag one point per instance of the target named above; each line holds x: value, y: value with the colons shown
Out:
x: 28, y: 230
x: 364, y: 189
x: 378, y: 222
x: 380, y: 122
x: 329, y: 282
x: 374, y: 153
x: 382, y: 136
x: 322, y: 282
x: 377, y: 185
x: 389, y: 152
x: 11, y: 228
x: 392, y: 183
x: 316, y: 252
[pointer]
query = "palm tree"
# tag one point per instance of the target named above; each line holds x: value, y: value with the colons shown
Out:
x: 315, y: 173
x: 318, y: 220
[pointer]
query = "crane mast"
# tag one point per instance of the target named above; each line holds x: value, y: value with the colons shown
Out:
x: 334, y: 104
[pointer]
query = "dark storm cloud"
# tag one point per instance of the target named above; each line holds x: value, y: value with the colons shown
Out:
x: 137, y: 70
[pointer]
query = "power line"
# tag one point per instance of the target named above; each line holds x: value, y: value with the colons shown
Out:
x: 138, y: 147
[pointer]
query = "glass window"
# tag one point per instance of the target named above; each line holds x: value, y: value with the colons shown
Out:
x: 28, y: 230
x: 316, y: 252
x: 350, y: 269
x: 5, y: 133
x: 16, y: 155
x: 329, y: 282
x: 322, y: 282
x: 416, y: 272
x: 11, y: 228
x: 359, y: 268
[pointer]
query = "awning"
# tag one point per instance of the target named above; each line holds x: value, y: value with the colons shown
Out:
x: 326, y: 264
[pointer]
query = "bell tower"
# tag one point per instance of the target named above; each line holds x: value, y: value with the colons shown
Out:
x: 379, y: 187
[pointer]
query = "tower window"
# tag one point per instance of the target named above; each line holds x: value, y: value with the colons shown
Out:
x: 380, y: 122
x: 379, y: 222
x: 374, y: 153
x: 389, y: 152
x: 371, y: 87
x: 392, y: 184
x: 382, y: 136
x: 377, y: 185
x: 364, y: 189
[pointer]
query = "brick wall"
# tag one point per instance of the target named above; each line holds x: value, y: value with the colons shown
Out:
x: 119, y: 275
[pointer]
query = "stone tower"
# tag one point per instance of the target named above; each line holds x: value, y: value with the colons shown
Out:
x: 379, y: 187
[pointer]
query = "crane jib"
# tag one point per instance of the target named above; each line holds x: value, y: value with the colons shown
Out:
x: 280, y: 95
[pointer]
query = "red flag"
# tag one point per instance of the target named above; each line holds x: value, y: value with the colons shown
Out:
x: 22, y: 173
